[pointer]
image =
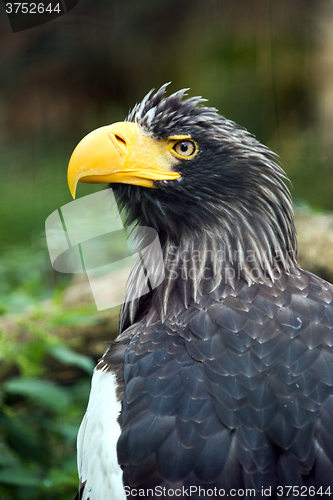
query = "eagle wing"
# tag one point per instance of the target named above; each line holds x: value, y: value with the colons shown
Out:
x: 234, y: 391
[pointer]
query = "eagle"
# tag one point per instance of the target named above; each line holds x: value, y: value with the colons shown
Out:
x: 220, y: 381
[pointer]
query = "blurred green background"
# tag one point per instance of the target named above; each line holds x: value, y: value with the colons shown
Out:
x: 266, y: 65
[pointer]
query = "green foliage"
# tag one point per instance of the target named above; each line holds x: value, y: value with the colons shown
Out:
x: 39, y: 424
x: 304, y: 158
x: 27, y: 277
x: 39, y: 416
x: 69, y: 357
x: 34, y: 184
x: 39, y: 419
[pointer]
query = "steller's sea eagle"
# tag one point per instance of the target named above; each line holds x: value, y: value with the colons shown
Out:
x: 220, y: 381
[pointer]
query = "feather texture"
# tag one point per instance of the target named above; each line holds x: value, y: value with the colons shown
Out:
x: 233, y: 392
x: 225, y: 370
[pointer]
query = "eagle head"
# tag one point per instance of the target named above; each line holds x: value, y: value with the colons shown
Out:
x: 203, y: 182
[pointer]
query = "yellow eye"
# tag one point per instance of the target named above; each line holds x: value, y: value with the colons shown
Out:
x: 185, y: 148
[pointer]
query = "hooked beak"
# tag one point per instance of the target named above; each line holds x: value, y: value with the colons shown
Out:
x: 120, y: 153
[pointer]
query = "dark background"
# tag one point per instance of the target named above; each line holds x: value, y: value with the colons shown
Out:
x: 263, y: 64
x: 268, y: 65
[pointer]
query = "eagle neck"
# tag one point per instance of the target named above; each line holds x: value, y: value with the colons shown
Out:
x: 250, y: 251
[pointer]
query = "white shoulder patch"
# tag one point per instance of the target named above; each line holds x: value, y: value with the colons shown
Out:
x: 97, y: 441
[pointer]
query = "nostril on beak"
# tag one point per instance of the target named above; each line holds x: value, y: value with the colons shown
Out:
x: 120, y: 139
x: 119, y: 142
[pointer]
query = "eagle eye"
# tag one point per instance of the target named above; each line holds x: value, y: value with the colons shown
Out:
x: 185, y: 148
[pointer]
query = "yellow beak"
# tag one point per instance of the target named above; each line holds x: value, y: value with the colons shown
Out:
x: 120, y: 153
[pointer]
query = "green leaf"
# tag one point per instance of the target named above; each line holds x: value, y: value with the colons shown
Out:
x: 64, y: 476
x: 7, y: 457
x: 44, y: 391
x: 68, y: 431
x: 18, y: 477
x: 69, y: 357
x: 18, y: 301
x: 77, y: 318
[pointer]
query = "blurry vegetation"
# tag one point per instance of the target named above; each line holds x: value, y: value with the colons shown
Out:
x: 39, y: 414
x: 39, y: 421
x: 47, y: 355
x: 26, y: 277
x: 34, y: 184
x: 257, y: 62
